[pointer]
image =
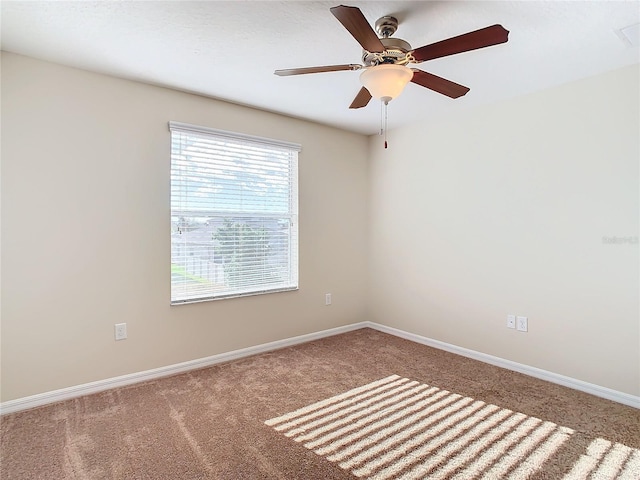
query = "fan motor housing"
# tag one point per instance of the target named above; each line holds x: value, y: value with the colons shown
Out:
x: 396, y: 52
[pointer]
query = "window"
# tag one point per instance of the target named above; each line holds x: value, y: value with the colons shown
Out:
x: 234, y: 214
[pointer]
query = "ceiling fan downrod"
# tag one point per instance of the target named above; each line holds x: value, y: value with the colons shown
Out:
x: 386, y: 26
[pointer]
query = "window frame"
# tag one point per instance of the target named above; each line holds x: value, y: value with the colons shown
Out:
x: 290, y: 283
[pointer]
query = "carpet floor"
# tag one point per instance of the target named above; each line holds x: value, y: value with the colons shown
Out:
x: 358, y: 405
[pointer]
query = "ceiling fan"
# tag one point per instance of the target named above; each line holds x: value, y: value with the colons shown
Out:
x: 385, y: 58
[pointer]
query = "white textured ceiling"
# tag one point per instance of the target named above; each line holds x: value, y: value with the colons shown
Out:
x: 229, y: 50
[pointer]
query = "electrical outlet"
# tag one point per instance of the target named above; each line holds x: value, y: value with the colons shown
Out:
x: 511, y: 321
x: 522, y: 324
x: 121, y: 331
x: 327, y: 299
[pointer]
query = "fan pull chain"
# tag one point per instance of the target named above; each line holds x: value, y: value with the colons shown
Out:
x: 386, y: 108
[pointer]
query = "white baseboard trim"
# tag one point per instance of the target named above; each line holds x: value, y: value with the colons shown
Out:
x: 596, y: 390
x: 54, y: 396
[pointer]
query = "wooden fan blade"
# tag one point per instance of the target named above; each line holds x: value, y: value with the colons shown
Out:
x: 328, y: 68
x: 438, y: 84
x: 362, y: 99
x: 485, y: 37
x: 353, y: 20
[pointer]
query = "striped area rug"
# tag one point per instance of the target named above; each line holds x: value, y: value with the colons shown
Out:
x: 396, y: 428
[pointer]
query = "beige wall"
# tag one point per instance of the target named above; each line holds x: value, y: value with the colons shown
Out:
x: 467, y: 219
x: 85, y: 230
x: 504, y: 211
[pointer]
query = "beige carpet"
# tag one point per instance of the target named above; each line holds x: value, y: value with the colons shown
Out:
x: 359, y: 405
x: 397, y: 428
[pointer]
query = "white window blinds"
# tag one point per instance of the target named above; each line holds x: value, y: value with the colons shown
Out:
x: 234, y: 214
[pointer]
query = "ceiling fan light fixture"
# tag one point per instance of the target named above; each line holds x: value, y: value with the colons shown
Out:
x: 386, y: 81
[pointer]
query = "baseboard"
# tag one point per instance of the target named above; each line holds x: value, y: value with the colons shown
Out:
x: 54, y: 396
x: 596, y: 390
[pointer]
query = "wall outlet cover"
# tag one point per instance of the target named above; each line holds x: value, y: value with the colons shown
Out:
x: 522, y: 324
x: 121, y: 331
